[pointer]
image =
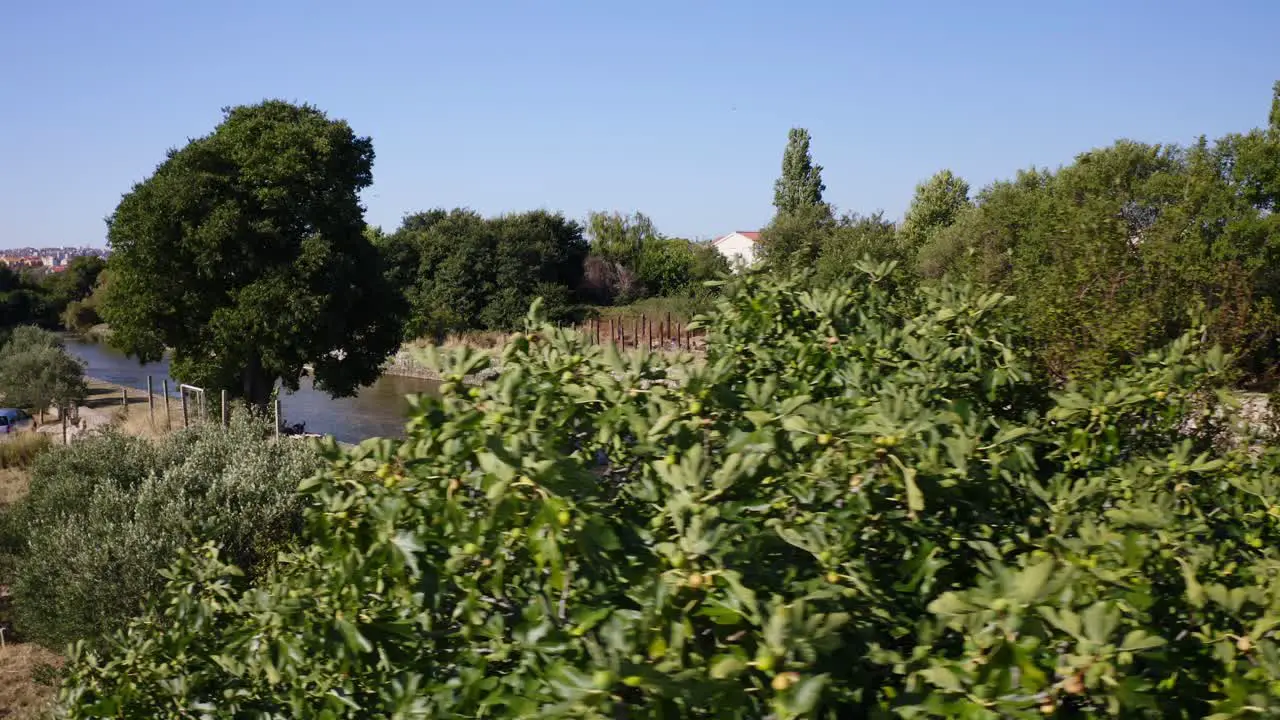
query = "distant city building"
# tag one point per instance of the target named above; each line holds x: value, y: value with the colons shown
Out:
x: 54, y: 259
x: 738, y: 246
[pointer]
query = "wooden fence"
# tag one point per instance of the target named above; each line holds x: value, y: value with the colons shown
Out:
x: 643, y: 332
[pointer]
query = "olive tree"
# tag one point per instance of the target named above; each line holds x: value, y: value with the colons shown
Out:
x: 37, y: 372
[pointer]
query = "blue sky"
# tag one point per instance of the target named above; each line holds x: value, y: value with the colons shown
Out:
x: 676, y: 109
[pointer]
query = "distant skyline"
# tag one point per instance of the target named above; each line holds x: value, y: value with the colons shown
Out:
x: 679, y: 110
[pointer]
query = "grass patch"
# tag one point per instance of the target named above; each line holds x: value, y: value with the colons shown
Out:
x: 21, y: 449
x: 657, y: 310
x: 136, y: 417
x: 22, y: 695
x: 13, y: 486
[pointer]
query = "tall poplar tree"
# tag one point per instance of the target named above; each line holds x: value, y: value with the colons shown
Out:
x: 800, y: 185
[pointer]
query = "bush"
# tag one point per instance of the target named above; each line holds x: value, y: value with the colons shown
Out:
x: 107, y: 514
x: 677, y: 267
x: 860, y: 505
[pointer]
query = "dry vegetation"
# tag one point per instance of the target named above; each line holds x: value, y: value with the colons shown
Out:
x: 13, y: 485
x: 19, y: 450
x: 135, y: 417
x: 21, y: 694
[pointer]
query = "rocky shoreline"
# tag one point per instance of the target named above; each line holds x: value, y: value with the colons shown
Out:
x: 405, y: 364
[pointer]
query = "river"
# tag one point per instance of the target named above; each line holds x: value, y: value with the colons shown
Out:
x: 379, y: 410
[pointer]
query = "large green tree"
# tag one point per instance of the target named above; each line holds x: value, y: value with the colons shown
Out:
x: 937, y: 204
x: 800, y: 185
x: 76, y: 282
x: 245, y: 253
x: 462, y: 271
x: 620, y: 238
x: 1124, y: 248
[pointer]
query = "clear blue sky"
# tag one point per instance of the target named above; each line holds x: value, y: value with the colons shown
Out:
x: 677, y: 109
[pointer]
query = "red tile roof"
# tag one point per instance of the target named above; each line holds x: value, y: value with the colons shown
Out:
x: 752, y: 235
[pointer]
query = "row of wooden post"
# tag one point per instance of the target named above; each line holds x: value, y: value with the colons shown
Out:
x: 644, y: 332
x: 225, y: 416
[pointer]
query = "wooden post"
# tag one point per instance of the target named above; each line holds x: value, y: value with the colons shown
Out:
x: 151, y: 402
x: 168, y: 418
x: 63, y: 413
x: 186, y: 421
x: 124, y: 398
x: 226, y: 419
x: 277, y: 413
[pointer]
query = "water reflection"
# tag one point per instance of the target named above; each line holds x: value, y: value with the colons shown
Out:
x: 379, y: 410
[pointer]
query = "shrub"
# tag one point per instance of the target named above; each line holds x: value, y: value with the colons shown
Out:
x: 860, y: 505
x: 677, y: 267
x: 107, y: 514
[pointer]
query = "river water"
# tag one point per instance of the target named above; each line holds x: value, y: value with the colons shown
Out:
x: 379, y: 410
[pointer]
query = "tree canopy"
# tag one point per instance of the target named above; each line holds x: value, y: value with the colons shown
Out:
x: 937, y: 204
x: 1129, y: 246
x: 37, y: 372
x: 800, y: 185
x: 461, y: 271
x: 245, y: 253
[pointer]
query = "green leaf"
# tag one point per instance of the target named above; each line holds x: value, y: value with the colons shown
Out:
x: 795, y: 423
x: 915, y: 498
x: 726, y: 666
x: 1195, y: 592
x: 493, y: 465
x: 942, y: 677
x: 806, y: 693
x: 1137, y: 640
x: 1031, y: 581
x: 408, y: 547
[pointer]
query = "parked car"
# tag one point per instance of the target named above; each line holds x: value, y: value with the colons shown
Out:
x: 13, y: 420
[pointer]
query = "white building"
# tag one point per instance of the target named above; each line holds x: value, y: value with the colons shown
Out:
x: 738, y: 246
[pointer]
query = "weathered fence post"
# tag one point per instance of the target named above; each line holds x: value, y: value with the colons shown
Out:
x: 151, y: 403
x: 168, y: 418
x: 63, y: 412
x: 186, y: 421
x: 124, y: 398
x: 226, y: 419
x: 276, y: 405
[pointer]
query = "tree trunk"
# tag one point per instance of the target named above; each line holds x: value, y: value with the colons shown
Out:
x: 256, y: 385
